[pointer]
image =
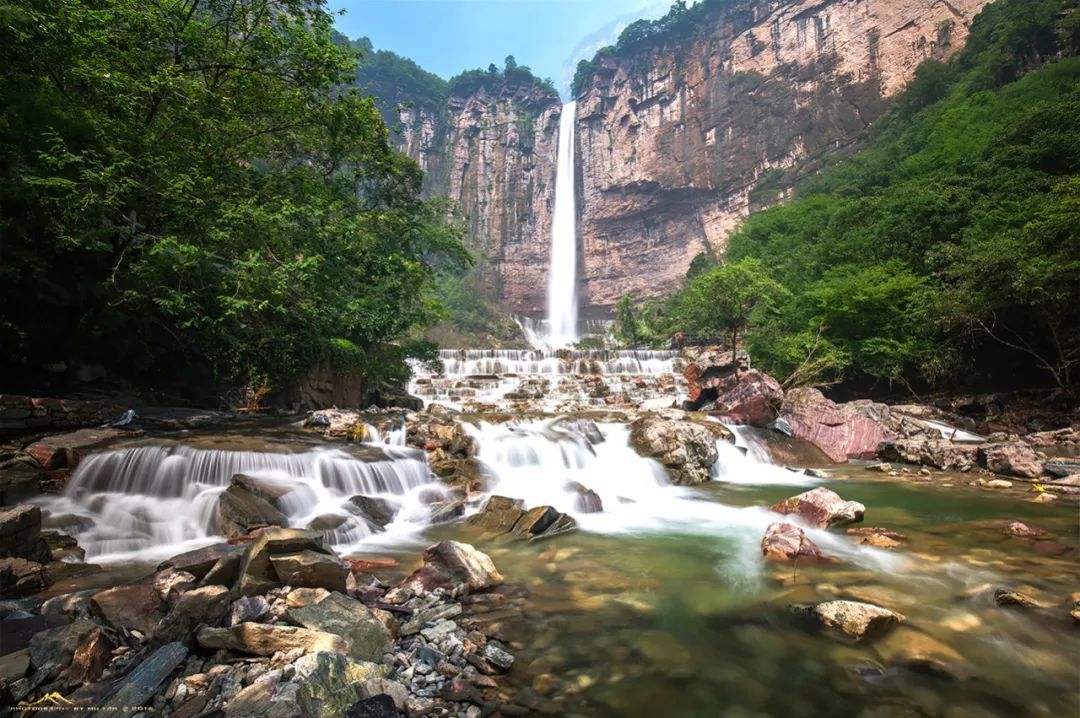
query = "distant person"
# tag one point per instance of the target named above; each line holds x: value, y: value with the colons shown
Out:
x: 680, y: 339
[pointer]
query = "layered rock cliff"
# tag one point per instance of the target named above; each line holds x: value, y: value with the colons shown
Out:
x: 674, y: 137
x: 492, y: 151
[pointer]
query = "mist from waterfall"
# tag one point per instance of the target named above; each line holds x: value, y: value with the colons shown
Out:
x: 562, y: 315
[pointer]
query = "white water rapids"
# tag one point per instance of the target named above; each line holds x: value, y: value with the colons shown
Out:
x: 150, y: 502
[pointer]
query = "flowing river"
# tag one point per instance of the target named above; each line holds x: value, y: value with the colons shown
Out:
x: 660, y: 605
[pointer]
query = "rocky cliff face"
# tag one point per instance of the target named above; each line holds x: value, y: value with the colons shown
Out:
x: 674, y: 140
x: 493, y: 152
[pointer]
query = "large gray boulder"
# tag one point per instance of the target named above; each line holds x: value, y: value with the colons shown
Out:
x: 685, y: 449
x: 367, y: 638
x: 248, y: 504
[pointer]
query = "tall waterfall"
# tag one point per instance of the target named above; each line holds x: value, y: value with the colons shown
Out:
x: 562, y: 278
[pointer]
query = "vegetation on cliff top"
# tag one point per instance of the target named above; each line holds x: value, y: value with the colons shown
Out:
x: 950, y: 246
x: 189, y: 195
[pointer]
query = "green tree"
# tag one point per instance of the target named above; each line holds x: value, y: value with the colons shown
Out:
x: 627, y: 328
x: 189, y: 192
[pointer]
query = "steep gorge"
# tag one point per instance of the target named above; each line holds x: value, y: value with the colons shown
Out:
x: 678, y: 138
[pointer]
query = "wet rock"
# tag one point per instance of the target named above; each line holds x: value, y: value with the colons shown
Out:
x: 135, y: 606
x: 217, y: 559
x: 253, y: 608
x: 853, y: 620
x: 1011, y: 459
x: 494, y: 653
x: 20, y: 534
x: 171, y: 584
x: 14, y: 665
x: 52, y: 651
x: 1014, y: 599
x: 1022, y: 530
x: 821, y: 508
x: 380, y: 706
x: 917, y: 651
x: 19, y: 577
x: 998, y: 484
x: 842, y: 431
x: 877, y: 537
x: 142, y: 684
x: 375, y: 511
x: 64, y: 451
x: 367, y: 638
x: 300, y: 597
x: 935, y: 452
x: 686, y: 450
x: 201, y: 606
x: 708, y: 367
x: 330, y: 683
x: 787, y: 542
x: 249, y: 504
x: 584, y: 428
x: 311, y: 569
x: 91, y: 657
x: 587, y: 501
x: 261, y: 639
x: 256, y: 574
x: 450, y: 565
x: 445, y: 511
x: 502, y: 516
x: 73, y: 605
x: 753, y: 398
x: 432, y: 614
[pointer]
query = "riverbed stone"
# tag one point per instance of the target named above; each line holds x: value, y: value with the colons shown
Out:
x: 201, y: 606
x: 261, y: 639
x: 821, y: 508
x: 852, y: 620
x: 19, y: 577
x: 218, y: 559
x: 877, y: 537
x: 92, y: 655
x: 134, y: 606
x: 367, y: 638
x: 311, y: 569
x: 256, y: 574
x: 250, y: 503
x: 685, y: 449
x: 912, y: 649
x: 376, y: 512
x: 450, y: 565
x: 64, y: 451
x: 1011, y: 459
x: 52, y: 650
x: 788, y: 542
x: 20, y: 534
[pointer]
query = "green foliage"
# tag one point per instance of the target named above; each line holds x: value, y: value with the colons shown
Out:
x: 955, y: 226
x: 628, y: 329
x: 190, y: 193
x: 513, y: 75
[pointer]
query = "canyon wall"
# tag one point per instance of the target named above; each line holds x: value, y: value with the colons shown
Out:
x: 492, y: 151
x: 673, y: 141
x: 676, y: 141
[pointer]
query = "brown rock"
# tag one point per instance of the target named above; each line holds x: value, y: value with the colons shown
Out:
x: 852, y: 619
x: 311, y: 569
x: 134, y: 606
x: 821, y: 508
x: 1011, y: 459
x: 454, y: 566
x: 20, y: 534
x: 754, y: 398
x: 938, y: 453
x: 248, y: 504
x: 260, y: 639
x: 787, y: 542
x: 19, y: 577
x: 64, y: 451
x: 256, y: 574
x: 917, y: 651
x: 91, y: 657
x: 202, y: 561
x: 206, y: 606
x: 877, y: 537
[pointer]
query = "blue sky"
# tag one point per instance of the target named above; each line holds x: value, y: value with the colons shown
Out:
x: 448, y: 36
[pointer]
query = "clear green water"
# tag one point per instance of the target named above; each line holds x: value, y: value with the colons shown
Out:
x: 685, y: 624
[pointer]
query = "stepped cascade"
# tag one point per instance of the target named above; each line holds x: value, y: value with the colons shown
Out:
x: 549, y: 379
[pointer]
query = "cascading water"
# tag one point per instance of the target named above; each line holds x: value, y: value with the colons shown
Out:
x: 748, y: 462
x: 150, y: 502
x: 562, y: 294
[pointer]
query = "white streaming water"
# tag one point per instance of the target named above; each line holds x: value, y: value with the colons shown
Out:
x: 151, y: 502
x: 540, y: 461
x: 748, y: 462
x: 562, y: 291
x: 479, y: 362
